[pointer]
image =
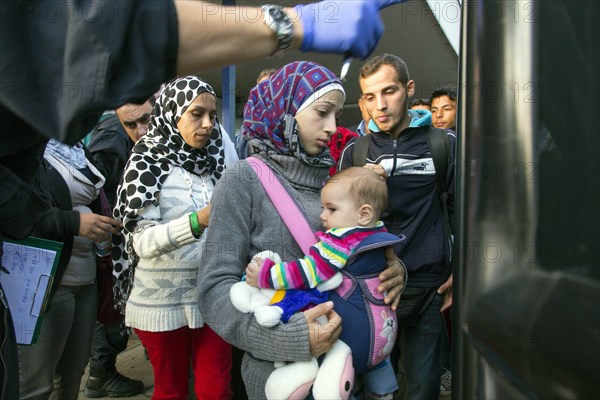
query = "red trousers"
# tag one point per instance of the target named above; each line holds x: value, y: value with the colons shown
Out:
x: 171, y: 353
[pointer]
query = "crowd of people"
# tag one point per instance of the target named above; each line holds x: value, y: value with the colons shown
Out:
x: 161, y: 214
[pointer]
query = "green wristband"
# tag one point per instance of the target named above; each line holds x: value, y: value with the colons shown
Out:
x: 195, y: 225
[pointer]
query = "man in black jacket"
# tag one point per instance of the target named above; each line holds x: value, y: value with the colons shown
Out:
x: 399, y: 152
x: 111, y: 144
x: 114, y: 137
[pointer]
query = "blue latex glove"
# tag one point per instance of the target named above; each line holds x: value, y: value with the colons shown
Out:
x: 385, y: 3
x: 346, y: 27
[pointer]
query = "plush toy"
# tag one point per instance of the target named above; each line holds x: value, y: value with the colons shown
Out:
x: 334, y: 377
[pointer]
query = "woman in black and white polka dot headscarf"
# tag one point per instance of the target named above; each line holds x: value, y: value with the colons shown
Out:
x: 156, y: 153
x: 164, y: 203
x: 152, y: 160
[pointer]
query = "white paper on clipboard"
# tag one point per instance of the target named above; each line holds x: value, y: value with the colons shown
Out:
x: 31, y: 266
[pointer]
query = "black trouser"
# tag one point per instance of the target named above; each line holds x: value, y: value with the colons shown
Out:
x: 237, y: 383
x: 108, y: 341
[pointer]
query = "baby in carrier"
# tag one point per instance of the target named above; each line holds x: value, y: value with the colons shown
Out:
x: 352, y: 253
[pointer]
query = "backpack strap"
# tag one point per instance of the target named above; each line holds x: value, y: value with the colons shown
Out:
x: 360, y: 150
x: 439, y: 147
x: 287, y: 208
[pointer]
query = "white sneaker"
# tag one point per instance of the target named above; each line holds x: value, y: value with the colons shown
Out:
x: 446, y: 383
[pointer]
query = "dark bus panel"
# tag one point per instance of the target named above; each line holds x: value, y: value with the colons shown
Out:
x: 527, y: 280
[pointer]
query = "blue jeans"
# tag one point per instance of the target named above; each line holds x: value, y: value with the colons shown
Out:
x: 420, y: 343
x: 381, y: 380
x: 59, y: 357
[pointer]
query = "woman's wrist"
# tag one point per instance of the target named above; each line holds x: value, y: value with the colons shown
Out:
x: 195, y: 225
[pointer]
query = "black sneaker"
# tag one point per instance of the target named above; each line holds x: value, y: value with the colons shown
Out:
x: 112, y: 385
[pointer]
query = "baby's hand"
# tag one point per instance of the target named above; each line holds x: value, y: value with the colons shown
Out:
x: 252, y: 271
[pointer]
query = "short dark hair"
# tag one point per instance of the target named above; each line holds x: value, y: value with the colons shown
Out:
x: 419, y: 102
x: 448, y: 90
x: 374, y: 63
x: 152, y: 100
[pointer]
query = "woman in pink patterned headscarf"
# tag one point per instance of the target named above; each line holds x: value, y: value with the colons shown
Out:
x: 288, y: 121
x: 269, y: 114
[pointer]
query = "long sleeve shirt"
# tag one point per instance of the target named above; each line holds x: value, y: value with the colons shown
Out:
x: 326, y: 258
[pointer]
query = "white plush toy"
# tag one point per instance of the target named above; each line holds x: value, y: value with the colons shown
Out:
x: 333, y: 379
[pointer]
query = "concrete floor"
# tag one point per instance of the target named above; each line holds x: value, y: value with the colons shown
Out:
x: 132, y: 364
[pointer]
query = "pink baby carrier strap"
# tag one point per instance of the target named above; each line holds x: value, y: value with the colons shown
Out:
x: 346, y: 288
x: 281, y: 199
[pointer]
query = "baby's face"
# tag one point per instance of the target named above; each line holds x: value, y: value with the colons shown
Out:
x: 339, y: 208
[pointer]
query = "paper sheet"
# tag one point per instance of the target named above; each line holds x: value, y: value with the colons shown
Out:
x: 31, y: 265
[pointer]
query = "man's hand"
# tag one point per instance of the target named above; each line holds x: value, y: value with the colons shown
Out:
x: 446, y: 290
x: 378, y: 169
x: 322, y: 336
x: 344, y: 27
x: 392, y: 279
x: 97, y: 227
x: 253, y: 270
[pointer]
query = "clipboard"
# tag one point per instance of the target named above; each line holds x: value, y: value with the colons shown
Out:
x: 31, y: 266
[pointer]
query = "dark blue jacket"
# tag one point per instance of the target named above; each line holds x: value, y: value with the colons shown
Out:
x: 413, y: 206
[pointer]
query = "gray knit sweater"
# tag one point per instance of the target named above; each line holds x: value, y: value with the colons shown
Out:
x: 244, y: 222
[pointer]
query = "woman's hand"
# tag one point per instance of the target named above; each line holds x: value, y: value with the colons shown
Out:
x: 393, y: 279
x: 323, y: 335
x: 97, y: 227
x: 204, y: 215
